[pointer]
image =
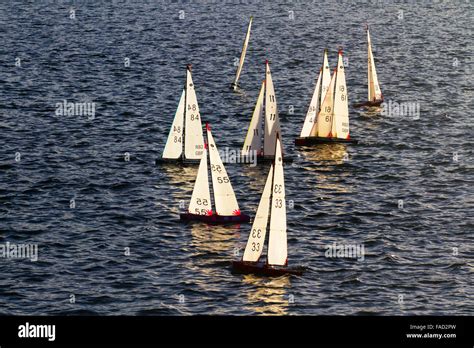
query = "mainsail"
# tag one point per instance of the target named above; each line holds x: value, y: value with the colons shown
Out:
x: 224, y: 196
x: 193, y: 139
x: 374, y: 92
x: 272, y: 122
x: 340, y: 124
x: 323, y: 126
x: 253, y: 140
x: 242, y: 55
x: 277, y: 244
x: 174, y: 144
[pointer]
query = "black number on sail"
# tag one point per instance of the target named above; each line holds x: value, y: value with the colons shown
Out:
x: 200, y: 201
x: 327, y: 109
x: 277, y: 188
x: 343, y: 97
x: 255, y: 246
x: 255, y: 132
x: 272, y: 117
x: 177, y: 139
x: 278, y: 203
x: 216, y: 168
x: 256, y: 233
x: 222, y: 179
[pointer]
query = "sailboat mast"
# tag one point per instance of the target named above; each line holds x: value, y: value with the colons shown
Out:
x: 188, y: 67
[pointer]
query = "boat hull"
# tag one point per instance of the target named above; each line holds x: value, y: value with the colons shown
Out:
x: 214, y: 219
x: 260, y: 268
x: 305, y: 141
x: 176, y: 161
x: 369, y: 103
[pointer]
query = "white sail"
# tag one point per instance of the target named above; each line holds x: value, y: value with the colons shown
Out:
x: 253, y: 140
x: 323, y: 126
x: 277, y: 247
x: 193, y: 139
x: 174, y: 144
x: 256, y: 240
x: 326, y: 78
x: 224, y: 196
x: 340, y: 125
x: 242, y: 55
x: 313, y: 109
x: 272, y: 122
x: 374, y: 90
x: 201, y: 199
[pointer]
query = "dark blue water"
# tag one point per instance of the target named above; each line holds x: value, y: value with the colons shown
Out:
x: 418, y: 260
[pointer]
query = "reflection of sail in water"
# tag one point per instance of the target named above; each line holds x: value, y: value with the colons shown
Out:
x: 326, y: 152
x: 267, y: 296
x: 181, y: 181
x: 217, y: 239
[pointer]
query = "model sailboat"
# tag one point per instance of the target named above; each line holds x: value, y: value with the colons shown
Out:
x: 271, y: 211
x: 185, y: 141
x: 375, y: 97
x: 200, y: 207
x: 322, y: 86
x: 235, y: 84
x: 332, y: 122
x: 265, y: 124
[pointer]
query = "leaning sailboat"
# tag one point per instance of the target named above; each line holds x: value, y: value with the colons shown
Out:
x: 226, y: 206
x: 185, y: 141
x: 271, y: 212
x: 375, y: 96
x: 265, y: 123
x: 235, y: 83
x: 332, y: 122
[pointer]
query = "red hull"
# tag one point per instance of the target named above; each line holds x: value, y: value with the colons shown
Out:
x: 215, y: 219
x: 260, y: 268
x: 305, y: 141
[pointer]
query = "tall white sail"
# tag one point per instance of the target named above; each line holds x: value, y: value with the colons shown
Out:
x: 242, y: 55
x: 323, y: 126
x: 201, y: 199
x: 313, y: 109
x: 326, y: 78
x: 253, y: 140
x: 340, y: 125
x: 224, y: 196
x: 193, y: 139
x: 272, y: 122
x: 277, y: 247
x: 374, y: 91
x: 174, y: 144
x: 256, y: 240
